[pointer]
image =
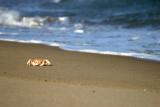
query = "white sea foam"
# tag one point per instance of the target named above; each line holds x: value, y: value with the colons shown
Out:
x: 107, y: 52
x: 135, y: 38
x: 31, y: 41
x: 63, y: 19
x: 13, y: 18
x: 8, y: 33
x: 136, y: 55
x: 56, y: 1
x: 79, y: 28
x: 57, y: 28
x: 9, y: 17
x: 79, y: 31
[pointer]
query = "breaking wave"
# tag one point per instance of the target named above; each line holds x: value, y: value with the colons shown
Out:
x: 14, y: 18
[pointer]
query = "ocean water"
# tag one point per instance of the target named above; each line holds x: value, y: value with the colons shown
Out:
x: 118, y: 27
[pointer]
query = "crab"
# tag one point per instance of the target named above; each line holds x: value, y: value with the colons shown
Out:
x: 38, y: 62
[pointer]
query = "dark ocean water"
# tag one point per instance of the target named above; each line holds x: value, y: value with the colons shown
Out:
x: 121, y: 27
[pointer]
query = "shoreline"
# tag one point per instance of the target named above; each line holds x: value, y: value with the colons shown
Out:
x: 79, y: 68
x: 83, y: 51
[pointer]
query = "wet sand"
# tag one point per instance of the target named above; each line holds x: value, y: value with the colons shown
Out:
x: 75, y: 79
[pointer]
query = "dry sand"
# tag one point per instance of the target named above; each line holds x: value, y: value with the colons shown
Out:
x: 75, y: 79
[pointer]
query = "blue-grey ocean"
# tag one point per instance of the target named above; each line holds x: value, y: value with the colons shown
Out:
x: 118, y: 27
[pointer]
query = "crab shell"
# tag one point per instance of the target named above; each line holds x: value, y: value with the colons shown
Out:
x: 38, y: 62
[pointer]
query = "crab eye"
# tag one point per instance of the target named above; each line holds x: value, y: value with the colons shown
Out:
x: 45, y: 62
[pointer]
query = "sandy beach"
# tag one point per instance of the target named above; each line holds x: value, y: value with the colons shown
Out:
x: 75, y: 79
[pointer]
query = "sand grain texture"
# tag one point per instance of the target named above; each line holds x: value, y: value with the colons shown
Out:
x: 75, y: 79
